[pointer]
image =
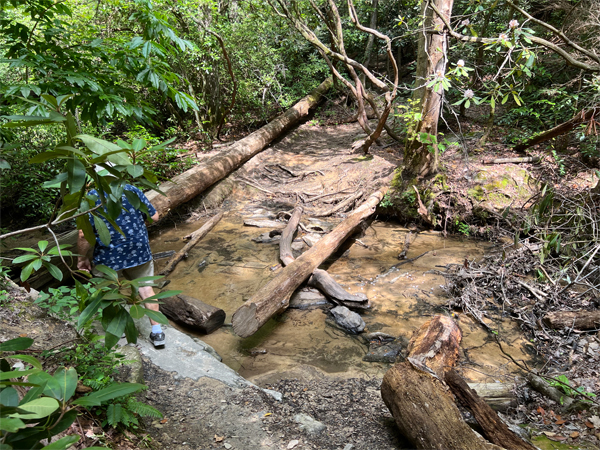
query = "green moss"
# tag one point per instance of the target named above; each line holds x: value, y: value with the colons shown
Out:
x: 477, y: 192
x: 544, y: 443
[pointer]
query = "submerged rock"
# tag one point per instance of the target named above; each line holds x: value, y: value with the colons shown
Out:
x: 383, y: 351
x: 307, y: 299
x: 348, y: 320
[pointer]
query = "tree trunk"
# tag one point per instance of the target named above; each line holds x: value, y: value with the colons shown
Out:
x: 193, y: 313
x: 421, y: 152
x: 578, y: 320
x: 422, y: 408
x: 565, y: 127
x: 189, y: 184
x: 494, y: 429
x: 196, y: 237
x: 275, y: 295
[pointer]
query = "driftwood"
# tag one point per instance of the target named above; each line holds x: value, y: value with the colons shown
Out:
x: 567, y: 403
x: 565, y: 127
x: 406, y: 246
x: 189, y: 184
x: 265, y: 224
x: 423, y: 409
x: 196, y: 236
x: 320, y: 279
x: 341, y: 206
x: 494, y: 429
x: 193, y: 313
x: 500, y: 396
x: 161, y: 255
x: 525, y: 159
x: 274, y: 297
x: 579, y: 320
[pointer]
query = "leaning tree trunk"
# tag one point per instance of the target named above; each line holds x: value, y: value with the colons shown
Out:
x: 189, y: 184
x: 421, y: 151
x: 274, y: 297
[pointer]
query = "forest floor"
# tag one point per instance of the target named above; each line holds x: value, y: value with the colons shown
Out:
x: 324, y: 412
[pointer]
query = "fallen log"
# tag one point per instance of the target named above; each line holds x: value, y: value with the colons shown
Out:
x: 500, y: 396
x: 565, y: 127
x: 567, y: 403
x: 494, y: 429
x: 423, y: 409
x: 196, y: 236
x: 193, y: 313
x: 320, y: 279
x: 275, y: 295
x: 525, y: 159
x: 265, y: 224
x: 189, y: 184
x: 579, y: 320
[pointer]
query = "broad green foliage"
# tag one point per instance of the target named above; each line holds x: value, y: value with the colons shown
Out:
x: 49, y: 406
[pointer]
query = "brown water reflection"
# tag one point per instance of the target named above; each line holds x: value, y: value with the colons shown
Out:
x: 227, y: 267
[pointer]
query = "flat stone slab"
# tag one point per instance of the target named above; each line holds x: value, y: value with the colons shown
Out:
x: 189, y: 358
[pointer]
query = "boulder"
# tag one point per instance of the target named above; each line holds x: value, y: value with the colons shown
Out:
x: 348, y: 320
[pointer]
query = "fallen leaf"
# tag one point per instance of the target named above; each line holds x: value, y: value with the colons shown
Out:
x: 557, y: 438
x: 596, y: 421
x: 268, y: 414
x: 560, y: 420
x: 23, y: 335
x: 219, y: 438
x: 293, y: 443
x: 164, y: 421
x: 574, y: 434
x: 589, y: 424
x: 541, y: 411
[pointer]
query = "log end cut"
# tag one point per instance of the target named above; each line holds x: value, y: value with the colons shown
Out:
x: 245, y: 321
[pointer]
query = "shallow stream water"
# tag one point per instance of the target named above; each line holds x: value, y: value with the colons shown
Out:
x: 226, y: 268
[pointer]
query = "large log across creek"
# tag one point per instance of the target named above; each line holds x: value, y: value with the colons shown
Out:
x: 274, y: 297
x: 184, y: 187
x: 416, y: 393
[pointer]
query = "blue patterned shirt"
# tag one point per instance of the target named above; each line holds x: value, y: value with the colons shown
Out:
x: 130, y: 250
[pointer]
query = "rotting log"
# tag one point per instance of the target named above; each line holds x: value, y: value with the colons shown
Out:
x: 274, y: 297
x: 193, y: 313
x: 189, y: 184
x: 196, y: 237
x: 579, y: 320
x: 581, y: 117
x: 423, y: 409
x: 494, y: 429
x: 320, y: 279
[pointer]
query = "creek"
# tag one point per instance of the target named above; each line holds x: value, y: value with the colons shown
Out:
x: 227, y: 267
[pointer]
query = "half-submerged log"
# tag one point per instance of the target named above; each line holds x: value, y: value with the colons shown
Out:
x: 195, y: 238
x: 320, y: 279
x: 193, y: 313
x: 189, y: 184
x: 423, y: 409
x: 274, y: 297
x: 579, y: 320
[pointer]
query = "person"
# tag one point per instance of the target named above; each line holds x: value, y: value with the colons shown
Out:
x: 129, y: 254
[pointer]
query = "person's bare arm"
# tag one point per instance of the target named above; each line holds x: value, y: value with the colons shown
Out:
x: 155, y: 217
x: 83, y: 249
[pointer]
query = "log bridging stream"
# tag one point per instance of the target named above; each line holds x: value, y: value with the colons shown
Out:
x: 274, y: 297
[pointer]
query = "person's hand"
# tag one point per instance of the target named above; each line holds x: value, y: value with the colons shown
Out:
x: 84, y: 264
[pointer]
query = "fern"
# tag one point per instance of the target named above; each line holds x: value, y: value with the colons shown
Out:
x: 114, y: 414
x: 143, y: 409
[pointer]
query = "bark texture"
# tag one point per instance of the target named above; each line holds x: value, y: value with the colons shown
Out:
x: 423, y: 409
x: 188, y: 185
x: 193, y: 313
x: 579, y: 320
x: 274, y: 297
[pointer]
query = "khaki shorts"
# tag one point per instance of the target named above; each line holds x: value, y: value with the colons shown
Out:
x: 143, y: 270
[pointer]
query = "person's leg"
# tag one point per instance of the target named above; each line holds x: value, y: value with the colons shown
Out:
x: 147, y: 270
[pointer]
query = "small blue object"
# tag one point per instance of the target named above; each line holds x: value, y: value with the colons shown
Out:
x: 156, y: 329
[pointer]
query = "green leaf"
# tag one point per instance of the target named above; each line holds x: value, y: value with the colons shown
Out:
x: 52, y: 386
x: 24, y: 258
x: 62, y: 443
x: 26, y: 272
x: 117, y: 325
x: 45, y: 156
x: 17, y: 373
x: 110, y: 273
x: 138, y: 145
x: 29, y: 360
x: 76, y: 175
x: 50, y: 99
x: 16, y: 344
x: 54, y: 271
x: 164, y: 294
x: 110, y: 340
x: 103, y: 231
x: 38, y: 408
x: 113, y: 391
x: 34, y: 392
x: 89, y: 311
x: 131, y: 332
x: 101, y: 147
x: 11, y: 425
x: 135, y: 170
x: 157, y: 316
x: 114, y: 412
x: 9, y: 397
x: 67, y: 379
x: 137, y: 311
